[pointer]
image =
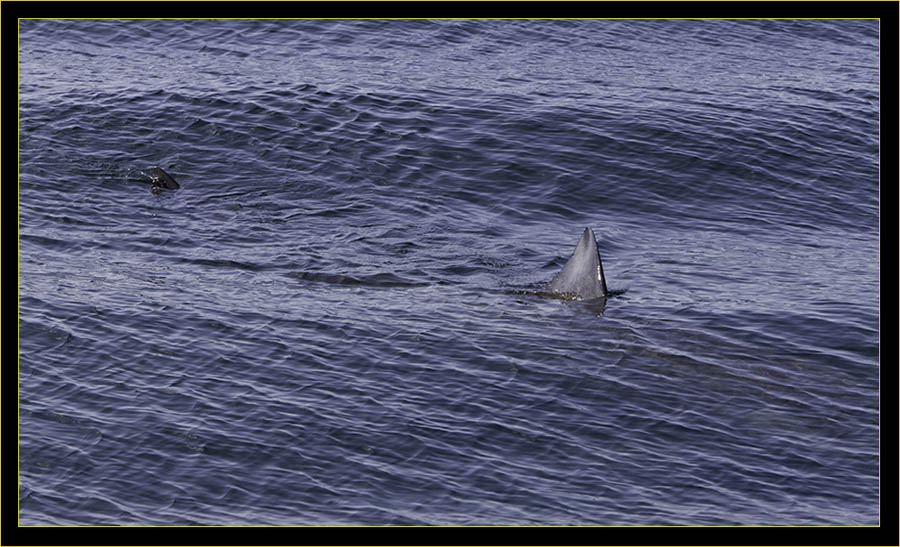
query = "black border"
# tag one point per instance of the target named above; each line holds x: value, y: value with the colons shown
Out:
x: 452, y: 9
x: 588, y: 535
x: 887, y: 11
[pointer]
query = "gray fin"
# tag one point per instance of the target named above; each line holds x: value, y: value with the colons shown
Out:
x: 164, y: 180
x: 583, y: 273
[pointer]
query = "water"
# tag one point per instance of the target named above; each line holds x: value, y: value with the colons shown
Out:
x: 337, y: 318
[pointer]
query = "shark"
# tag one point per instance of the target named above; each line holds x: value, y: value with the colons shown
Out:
x: 163, y: 181
x: 582, y: 277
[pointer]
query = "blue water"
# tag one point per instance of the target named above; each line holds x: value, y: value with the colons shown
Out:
x: 338, y: 318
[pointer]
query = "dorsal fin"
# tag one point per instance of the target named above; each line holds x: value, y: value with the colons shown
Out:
x: 163, y: 179
x: 583, y: 273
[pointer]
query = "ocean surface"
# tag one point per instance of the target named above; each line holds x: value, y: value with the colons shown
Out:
x: 338, y: 319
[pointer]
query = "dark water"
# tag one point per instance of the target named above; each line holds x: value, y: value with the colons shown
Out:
x: 335, y: 319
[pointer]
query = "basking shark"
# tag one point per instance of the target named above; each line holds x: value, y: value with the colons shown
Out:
x: 163, y: 181
x: 582, y: 276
